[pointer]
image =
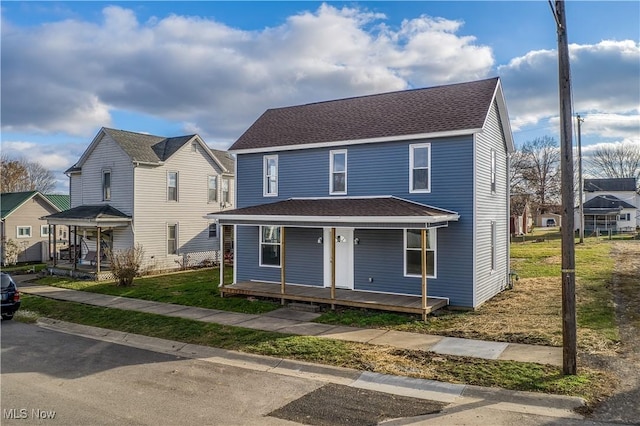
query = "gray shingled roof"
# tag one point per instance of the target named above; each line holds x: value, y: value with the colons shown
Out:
x: 90, y: 212
x: 611, y: 184
x: 147, y: 148
x: 340, y: 207
x: 607, y: 202
x: 227, y: 160
x: 447, y: 108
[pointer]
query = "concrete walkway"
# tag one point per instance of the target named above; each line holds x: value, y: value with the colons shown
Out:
x: 296, y: 322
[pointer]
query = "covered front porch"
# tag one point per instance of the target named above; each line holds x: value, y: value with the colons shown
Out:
x: 324, y: 234
x: 91, y: 230
x: 342, y: 297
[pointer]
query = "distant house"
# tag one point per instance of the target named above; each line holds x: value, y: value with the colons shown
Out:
x: 130, y: 189
x: 395, y: 201
x: 610, y: 205
x: 521, y: 220
x: 22, y: 226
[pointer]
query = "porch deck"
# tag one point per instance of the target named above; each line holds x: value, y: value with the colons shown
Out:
x: 353, y: 298
x: 66, y: 268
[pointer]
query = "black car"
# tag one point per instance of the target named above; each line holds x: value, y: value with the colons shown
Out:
x: 10, y: 296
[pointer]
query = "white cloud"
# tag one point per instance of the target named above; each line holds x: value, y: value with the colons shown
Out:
x: 68, y: 76
x: 605, y: 83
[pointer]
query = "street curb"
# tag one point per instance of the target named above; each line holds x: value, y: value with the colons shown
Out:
x: 525, y: 402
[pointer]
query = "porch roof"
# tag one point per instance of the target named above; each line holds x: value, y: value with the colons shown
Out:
x: 364, y: 212
x: 102, y: 215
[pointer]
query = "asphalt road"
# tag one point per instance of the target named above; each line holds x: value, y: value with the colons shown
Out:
x: 50, y: 377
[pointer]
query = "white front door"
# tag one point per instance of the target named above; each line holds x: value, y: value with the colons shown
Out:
x: 343, y: 258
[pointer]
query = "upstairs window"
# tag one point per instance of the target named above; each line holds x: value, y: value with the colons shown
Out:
x: 413, y: 253
x: 44, y: 231
x: 420, y: 167
x: 493, y: 171
x: 106, y: 185
x: 270, y: 246
x: 172, y: 186
x: 225, y: 191
x: 212, y: 189
x: 338, y: 167
x: 270, y: 175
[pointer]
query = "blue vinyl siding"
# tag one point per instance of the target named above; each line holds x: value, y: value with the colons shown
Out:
x: 304, y: 256
x: 373, y: 170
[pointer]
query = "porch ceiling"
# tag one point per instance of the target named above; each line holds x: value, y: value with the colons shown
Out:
x: 375, y: 212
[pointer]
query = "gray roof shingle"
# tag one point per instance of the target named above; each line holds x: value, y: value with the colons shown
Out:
x: 89, y: 212
x: 340, y: 207
x: 462, y: 106
x: 611, y: 184
x: 147, y: 148
x: 607, y: 202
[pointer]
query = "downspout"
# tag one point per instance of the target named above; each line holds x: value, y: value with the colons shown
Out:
x: 524, y: 213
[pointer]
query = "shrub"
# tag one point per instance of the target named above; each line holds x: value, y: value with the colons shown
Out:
x: 126, y: 263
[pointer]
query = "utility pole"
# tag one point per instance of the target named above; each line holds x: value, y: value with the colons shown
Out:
x: 580, y: 202
x: 569, y: 334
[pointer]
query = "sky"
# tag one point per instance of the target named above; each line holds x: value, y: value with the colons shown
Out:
x: 172, y: 68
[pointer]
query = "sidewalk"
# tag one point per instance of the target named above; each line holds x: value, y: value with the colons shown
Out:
x: 289, y: 321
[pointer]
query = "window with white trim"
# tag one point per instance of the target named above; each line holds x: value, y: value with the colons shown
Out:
x: 44, y: 230
x: 493, y: 171
x: 172, y: 186
x: 420, y: 167
x: 212, y: 189
x: 270, y: 246
x: 338, y: 172
x: 225, y: 190
x: 172, y: 239
x: 106, y: 185
x: 213, y: 230
x: 493, y: 245
x: 23, y: 231
x: 270, y: 175
x: 413, y: 253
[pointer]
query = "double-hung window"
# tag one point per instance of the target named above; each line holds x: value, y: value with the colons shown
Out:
x: 212, y: 189
x: 44, y: 231
x: 270, y: 246
x: 493, y: 245
x: 23, y: 232
x: 213, y: 230
x: 493, y: 171
x: 172, y: 186
x: 106, y: 185
x: 270, y: 175
x: 225, y: 191
x: 338, y: 170
x: 413, y: 253
x: 172, y: 239
x: 420, y: 167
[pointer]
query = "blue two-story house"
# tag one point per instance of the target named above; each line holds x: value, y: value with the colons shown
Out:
x: 396, y: 201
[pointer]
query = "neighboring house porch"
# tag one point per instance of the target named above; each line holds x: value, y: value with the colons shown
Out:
x: 606, y: 213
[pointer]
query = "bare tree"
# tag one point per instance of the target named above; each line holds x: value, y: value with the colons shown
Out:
x: 518, y: 164
x: 541, y: 171
x: 616, y: 161
x: 22, y: 175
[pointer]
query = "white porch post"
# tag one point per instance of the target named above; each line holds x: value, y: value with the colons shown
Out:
x: 221, y: 258
x: 282, y: 265
x: 333, y: 267
x: 423, y: 252
x: 98, y: 254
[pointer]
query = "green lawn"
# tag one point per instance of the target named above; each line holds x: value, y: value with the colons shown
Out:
x: 192, y: 288
x: 590, y: 384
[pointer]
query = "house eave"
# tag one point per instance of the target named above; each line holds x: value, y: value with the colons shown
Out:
x: 328, y: 144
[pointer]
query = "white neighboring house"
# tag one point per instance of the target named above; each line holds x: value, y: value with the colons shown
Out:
x: 131, y: 189
x: 610, y: 204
